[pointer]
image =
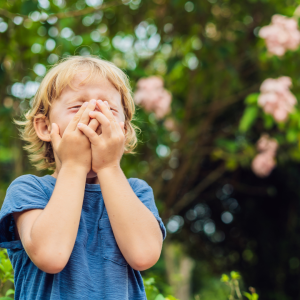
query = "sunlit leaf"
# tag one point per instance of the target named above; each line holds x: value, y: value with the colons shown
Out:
x: 248, y: 118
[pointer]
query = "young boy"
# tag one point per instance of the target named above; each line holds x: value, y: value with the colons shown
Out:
x: 85, y: 231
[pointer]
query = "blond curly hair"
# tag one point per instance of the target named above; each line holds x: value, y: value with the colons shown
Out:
x: 57, y: 78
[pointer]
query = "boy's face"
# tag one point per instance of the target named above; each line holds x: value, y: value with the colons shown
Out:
x: 66, y: 106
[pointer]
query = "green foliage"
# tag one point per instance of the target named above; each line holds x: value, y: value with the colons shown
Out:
x: 6, y: 273
x: 152, y: 291
x: 233, y: 283
x: 253, y: 296
x: 252, y: 99
x: 248, y: 118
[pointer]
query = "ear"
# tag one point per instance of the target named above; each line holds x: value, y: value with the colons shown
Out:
x: 42, y: 127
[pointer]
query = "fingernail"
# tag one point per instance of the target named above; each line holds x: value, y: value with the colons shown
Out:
x: 106, y: 103
x: 79, y: 124
x: 100, y: 101
x: 85, y: 103
x: 93, y: 101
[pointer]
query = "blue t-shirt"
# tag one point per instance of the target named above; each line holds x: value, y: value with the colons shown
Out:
x: 96, y: 268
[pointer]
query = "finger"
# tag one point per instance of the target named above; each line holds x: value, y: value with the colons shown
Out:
x: 116, y: 130
x: 105, y: 108
x: 104, y: 122
x: 89, y: 132
x: 73, y: 124
x: 85, y: 118
x: 54, y: 135
x: 94, y: 124
x: 120, y: 128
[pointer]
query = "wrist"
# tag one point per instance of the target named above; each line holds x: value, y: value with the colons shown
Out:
x: 110, y: 169
x: 73, y: 167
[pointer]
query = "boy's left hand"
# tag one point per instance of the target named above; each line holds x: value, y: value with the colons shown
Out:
x: 108, y: 147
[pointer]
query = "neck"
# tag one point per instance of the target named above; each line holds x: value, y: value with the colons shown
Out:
x: 91, y: 177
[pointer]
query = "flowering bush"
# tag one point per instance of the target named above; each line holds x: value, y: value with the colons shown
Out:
x: 276, y: 98
x: 281, y: 35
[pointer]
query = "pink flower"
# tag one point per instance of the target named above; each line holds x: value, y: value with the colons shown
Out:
x: 264, y: 162
x: 152, y: 96
x: 266, y: 144
x: 276, y: 99
x: 281, y: 35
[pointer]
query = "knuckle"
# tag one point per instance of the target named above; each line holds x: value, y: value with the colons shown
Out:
x: 77, y: 117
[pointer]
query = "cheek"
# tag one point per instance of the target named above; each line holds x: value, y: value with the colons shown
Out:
x: 62, y: 120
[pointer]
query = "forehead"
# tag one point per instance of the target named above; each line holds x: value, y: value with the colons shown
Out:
x: 97, y: 87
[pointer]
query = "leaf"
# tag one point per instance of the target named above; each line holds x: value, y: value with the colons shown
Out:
x: 5, y: 298
x: 252, y: 98
x: 224, y: 278
x: 149, y: 281
x: 231, y: 164
x: 9, y: 292
x: 159, y: 297
x: 249, y: 296
x: 292, y: 135
x: 229, y: 145
x: 235, y: 275
x: 255, y: 296
x: 268, y: 121
x: 248, y: 118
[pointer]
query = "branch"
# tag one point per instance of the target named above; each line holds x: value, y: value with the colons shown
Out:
x: 63, y: 15
x: 206, y: 182
x: 228, y: 100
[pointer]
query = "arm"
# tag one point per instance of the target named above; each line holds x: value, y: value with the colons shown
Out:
x: 135, y: 228
x: 49, y: 235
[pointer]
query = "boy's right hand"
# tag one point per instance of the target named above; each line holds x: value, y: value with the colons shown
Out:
x: 74, y: 148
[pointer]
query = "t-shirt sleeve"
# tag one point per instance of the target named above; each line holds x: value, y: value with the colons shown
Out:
x: 25, y: 192
x: 145, y: 193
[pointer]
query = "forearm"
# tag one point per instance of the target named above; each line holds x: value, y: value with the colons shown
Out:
x: 135, y: 228
x: 54, y: 232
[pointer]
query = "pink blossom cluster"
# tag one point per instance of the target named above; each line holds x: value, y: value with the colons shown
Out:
x: 276, y: 98
x: 152, y: 96
x: 281, y: 35
x: 264, y: 162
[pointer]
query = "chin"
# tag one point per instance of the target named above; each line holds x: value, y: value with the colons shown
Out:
x: 91, y: 174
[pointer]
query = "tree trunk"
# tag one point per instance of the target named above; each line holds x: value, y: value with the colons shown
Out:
x: 179, y: 268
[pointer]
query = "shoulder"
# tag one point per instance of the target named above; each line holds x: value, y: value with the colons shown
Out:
x: 26, y: 185
x: 27, y: 179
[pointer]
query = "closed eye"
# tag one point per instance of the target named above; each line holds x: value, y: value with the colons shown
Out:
x: 78, y: 106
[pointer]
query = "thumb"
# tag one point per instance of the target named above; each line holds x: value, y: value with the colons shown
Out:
x: 54, y: 134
